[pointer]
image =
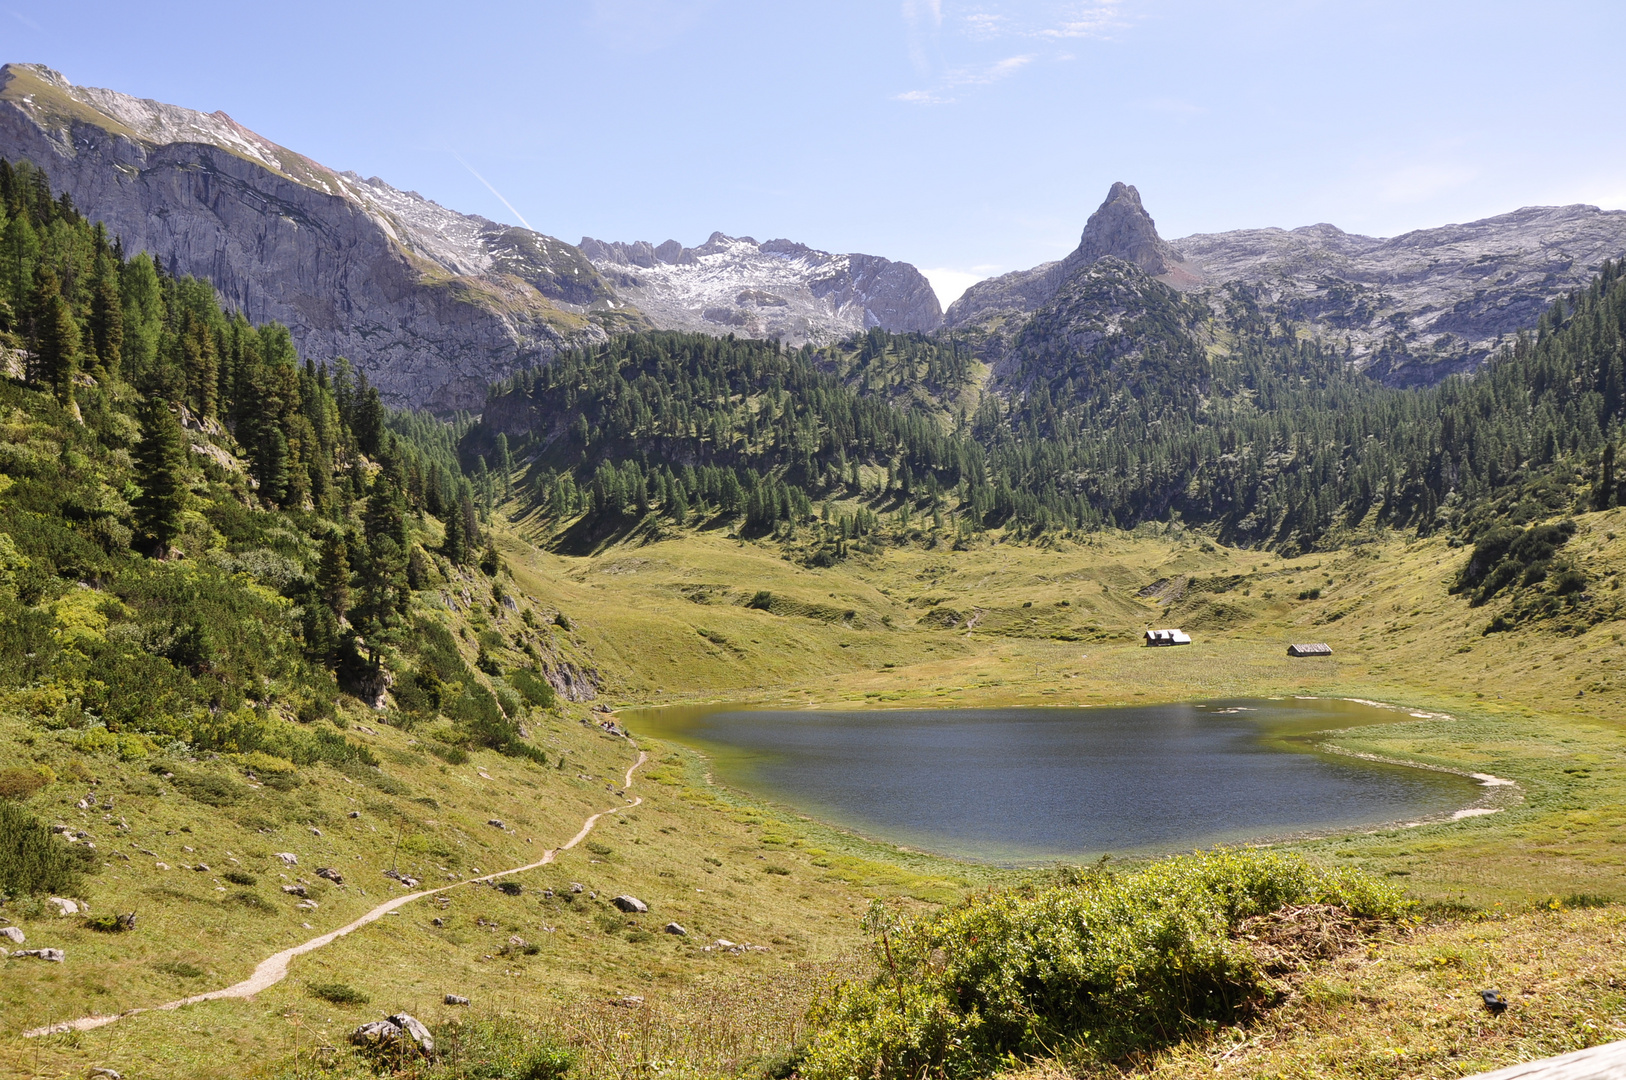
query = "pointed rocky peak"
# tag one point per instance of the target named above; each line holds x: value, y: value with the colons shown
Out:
x: 1123, y: 228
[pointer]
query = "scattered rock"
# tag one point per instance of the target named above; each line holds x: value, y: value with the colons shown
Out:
x: 315, y: 831
x: 62, y: 905
x: 631, y: 1001
x: 106, y: 1073
x: 162, y: 866
x: 677, y: 929
x: 202, y: 868
x: 495, y: 824
x: 12, y: 934
x: 355, y: 813
x: 630, y: 904
x: 295, y: 890
x: 438, y: 921
x: 577, y: 887
x: 55, y: 956
x: 456, y: 999
x: 288, y: 858
x: 547, y: 894
x: 330, y: 874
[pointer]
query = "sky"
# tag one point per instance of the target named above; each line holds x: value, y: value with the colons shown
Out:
x: 969, y: 138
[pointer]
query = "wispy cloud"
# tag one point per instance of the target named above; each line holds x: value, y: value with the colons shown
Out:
x: 1056, y: 19
x: 979, y: 26
x: 959, y: 78
x: 25, y: 20
x: 922, y: 20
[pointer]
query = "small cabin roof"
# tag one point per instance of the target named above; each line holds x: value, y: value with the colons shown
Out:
x: 1316, y: 648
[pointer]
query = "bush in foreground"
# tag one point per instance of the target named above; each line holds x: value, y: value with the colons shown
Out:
x: 1092, y: 969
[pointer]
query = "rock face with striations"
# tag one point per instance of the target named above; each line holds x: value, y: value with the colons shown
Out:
x: 430, y: 303
x: 777, y: 288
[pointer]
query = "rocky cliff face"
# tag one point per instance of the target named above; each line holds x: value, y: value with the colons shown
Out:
x: 1411, y: 309
x: 774, y: 289
x: 1417, y: 307
x: 430, y: 303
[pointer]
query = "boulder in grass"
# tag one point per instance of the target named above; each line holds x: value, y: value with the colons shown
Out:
x: 330, y: 874
x: 376, y: 1035
x: 11, y: 934
x: 630, y: 904
x: 456, y: 999
x: 415, y: 1030
x: 288, y: 858
x: 676, y: 929
x: 61, y: 906
x: 54, y: 956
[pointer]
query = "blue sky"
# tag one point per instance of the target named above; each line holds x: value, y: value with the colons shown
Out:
x: 969, y: 138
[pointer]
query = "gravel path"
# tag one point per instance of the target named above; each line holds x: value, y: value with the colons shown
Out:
x: 273, y: 969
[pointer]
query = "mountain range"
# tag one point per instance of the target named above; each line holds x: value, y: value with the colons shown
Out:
x: 433, y: 304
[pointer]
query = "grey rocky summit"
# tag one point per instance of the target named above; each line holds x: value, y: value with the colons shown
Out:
x: 1410, y: 309
x: 772, y: 289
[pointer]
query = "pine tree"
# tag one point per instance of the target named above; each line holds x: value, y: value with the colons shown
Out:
x: 161, y: 457
x: 333, y: 574
x: 455, y: 546
x: 106, y: 317
x: 56, y: 337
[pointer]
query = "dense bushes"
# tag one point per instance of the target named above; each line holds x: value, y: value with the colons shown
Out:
x: 33, y: 862
x: 1093, y: 969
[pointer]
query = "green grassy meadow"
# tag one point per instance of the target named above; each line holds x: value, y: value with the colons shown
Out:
x: 667, y: 617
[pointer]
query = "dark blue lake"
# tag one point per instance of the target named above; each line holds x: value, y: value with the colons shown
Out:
x: 1023, y: 784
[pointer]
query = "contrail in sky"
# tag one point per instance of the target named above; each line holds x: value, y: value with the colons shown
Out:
x: 493, y: 190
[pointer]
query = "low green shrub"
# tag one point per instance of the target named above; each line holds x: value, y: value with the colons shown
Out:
x: 1089, y: 970
x: 20, y: 782
x: 33, y: 862
x: 338, y: 993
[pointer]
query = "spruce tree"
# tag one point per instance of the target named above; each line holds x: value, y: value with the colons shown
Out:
x: 106, y: 318
x: 333, y: 574
x: 56, y: 338
x: 455, y: 545
x: 161, y: 457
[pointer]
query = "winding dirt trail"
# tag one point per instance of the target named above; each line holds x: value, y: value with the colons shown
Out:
x: 273, y: 969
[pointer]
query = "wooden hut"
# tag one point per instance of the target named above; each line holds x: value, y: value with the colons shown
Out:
x: 1319, y: 648
x: 1167, y: 637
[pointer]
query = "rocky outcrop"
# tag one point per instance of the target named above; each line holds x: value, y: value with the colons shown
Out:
x: 1417, y: 307
x: 1410, y: 309
x: 1120, y: 228
x: 430, y: 303
x: 775, y: 289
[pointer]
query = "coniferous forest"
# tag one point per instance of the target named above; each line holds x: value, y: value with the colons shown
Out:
x: 143, y: 422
